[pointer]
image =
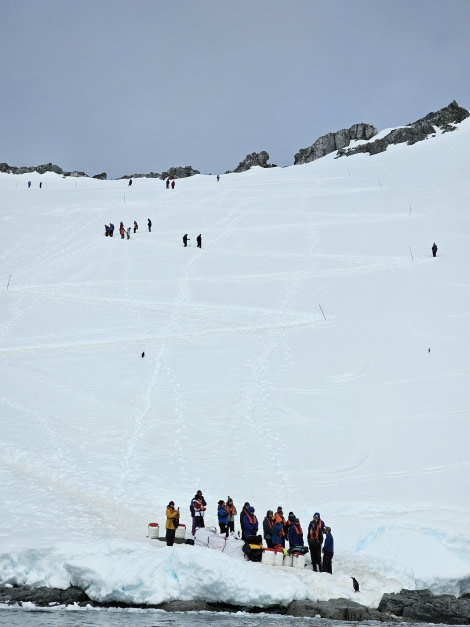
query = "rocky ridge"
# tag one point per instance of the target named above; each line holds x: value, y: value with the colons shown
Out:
x: 445, y: 119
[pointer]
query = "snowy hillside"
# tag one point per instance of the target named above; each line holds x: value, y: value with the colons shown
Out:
x: 312, y: 355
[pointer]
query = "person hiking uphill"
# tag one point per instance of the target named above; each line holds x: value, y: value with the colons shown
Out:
x: 434, y: 249
x: 185, y: 240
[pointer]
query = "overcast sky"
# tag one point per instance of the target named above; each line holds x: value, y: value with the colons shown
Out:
x: 126, y: 86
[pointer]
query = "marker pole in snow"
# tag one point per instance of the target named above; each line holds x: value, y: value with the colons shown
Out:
x: 411, y: 253
x: 322, y: 312
x: 8, y: 281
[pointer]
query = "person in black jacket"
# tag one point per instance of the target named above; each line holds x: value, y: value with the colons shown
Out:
x: 268, y: 528
x: 434, y: 249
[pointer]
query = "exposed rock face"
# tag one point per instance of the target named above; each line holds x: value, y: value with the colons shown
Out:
x: 179, y: 172
x: 334, y: 141
x: 102, y: 177
x: 423, y: 606
x: 253, y: 159
x: 444, y: 119
x: 150, y: 175
x: 40, y: 169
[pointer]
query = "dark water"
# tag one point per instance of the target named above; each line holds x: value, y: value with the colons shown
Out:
x: 23, y: 617
x: 33, y: 617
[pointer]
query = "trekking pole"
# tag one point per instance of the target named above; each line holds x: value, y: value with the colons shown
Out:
x: 8, y: 281
x: 411, y: 253
x: 322, y: 312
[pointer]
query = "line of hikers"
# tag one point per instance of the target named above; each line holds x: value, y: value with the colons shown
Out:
x: 277, y: 530
x: 123, y: 232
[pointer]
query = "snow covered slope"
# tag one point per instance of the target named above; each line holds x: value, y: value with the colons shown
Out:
x: 312, y: 355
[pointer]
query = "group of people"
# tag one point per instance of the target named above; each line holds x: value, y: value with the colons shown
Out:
x: 198, y: 240
x: 109, y: 229
x: 277, y: 530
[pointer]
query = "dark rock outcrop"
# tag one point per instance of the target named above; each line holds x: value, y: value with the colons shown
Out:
x: 253, y: 159
x: 40, y: 169
x: 336, y: 609
x: 423, y: 606
x: 179, y: 172
x: 334, y: 141
x: 444, y: 119
x: 42, y: 596
x: 150, y: 175
x: 101, y: 177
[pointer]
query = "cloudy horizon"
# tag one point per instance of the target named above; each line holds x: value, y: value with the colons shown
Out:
x: 136, y: 87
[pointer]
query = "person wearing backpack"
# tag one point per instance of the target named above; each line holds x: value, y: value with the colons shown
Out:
x: 172, y: 522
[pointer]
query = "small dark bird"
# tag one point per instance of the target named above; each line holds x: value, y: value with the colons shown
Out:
x: 355, y: 584
x: 143, y: 355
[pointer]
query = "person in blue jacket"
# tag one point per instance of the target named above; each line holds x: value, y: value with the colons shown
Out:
x: 276, y: 531
x: 222, y: 515
x: 296, y: 535
x: 250, y: 522
x: 328, y: 551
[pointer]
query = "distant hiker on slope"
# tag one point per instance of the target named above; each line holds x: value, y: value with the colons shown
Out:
x: 149, y: 224
x: 199, y: 241
x: 185, y: 240
x: 172, y: 185
x: 434, y: 249
x: 136, y: 226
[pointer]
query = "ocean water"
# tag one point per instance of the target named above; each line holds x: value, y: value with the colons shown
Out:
x: 88, y: 617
